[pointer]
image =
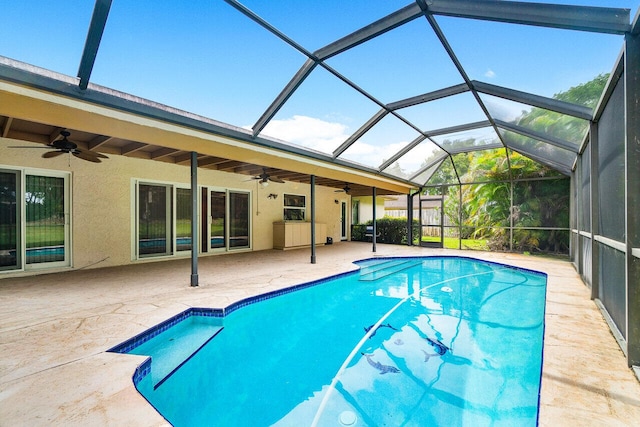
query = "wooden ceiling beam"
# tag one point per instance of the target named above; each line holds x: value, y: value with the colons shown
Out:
x: 98, y: 141
x: 7, y: 126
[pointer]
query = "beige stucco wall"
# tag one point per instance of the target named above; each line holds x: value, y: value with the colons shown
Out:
x: 366, y: 208
x: 102, y: 209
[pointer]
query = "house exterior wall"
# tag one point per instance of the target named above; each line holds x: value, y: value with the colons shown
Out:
x: 103, y: 210
x: 366, y: 208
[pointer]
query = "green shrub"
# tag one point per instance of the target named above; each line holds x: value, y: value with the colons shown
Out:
x: 388, y: 230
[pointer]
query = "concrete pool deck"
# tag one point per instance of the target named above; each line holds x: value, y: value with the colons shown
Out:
x: 55, y: 330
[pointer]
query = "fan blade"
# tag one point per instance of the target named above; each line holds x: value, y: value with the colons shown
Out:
x: 51, y: 154
x: 84, y: 155
x: 278, y: 180
x: 91, y: 153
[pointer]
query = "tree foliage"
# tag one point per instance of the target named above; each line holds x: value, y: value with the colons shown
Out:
x: 486, y: 211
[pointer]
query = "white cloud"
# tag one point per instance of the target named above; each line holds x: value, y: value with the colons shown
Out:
x: 309, y: 132
x: 414, y: 160
x: 370, y: 154
x: 326, y: 136
x: 490, y: 73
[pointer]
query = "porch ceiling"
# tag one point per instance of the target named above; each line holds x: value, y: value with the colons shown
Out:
x: 34, y: 131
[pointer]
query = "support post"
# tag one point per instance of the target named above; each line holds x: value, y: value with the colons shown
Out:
x: 409, y: 219
x: 442, y: 189
x: 511, y: 215
x: 375, y: 231
x: 576, y: 190
x: 460, y: 216
x: 313, y: 219
x: 194, y: 218
x: 594, y: 214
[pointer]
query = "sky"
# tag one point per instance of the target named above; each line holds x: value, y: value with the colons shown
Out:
x: 205, y: 57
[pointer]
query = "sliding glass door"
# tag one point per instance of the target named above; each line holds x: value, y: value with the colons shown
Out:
x: 229, y: 219
x: 45, y: 225
x: 183, y: 219
x: 34, y: 219
x: 218, y: 220
x: 239, y: 215
x: 163, y: 219
x: 154, y: 220
x: 10, y: 256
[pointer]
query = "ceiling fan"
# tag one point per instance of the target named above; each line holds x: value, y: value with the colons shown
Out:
x: 62, y: 146
x: 264, y: 178
x: 345, y: 189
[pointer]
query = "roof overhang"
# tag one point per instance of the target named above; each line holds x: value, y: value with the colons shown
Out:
x: 43, y: 97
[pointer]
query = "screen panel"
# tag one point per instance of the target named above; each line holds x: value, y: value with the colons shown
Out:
x: 611, y: 167
x: 612, y: 285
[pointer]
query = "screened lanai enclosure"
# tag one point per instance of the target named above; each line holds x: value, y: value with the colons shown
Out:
x: 520, y: 119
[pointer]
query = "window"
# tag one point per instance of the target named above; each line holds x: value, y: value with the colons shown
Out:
x: 34, y: 221
x: 294, y: 207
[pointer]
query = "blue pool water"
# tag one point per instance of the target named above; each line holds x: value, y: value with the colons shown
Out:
x: 404, y: 341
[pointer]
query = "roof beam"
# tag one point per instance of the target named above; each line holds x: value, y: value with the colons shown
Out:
x: 562, y: 168
x: 582, y: 18
x: 557, y: 142
x: 429, y: 165
x: 363, y: 129
x: 456, y: 62
x: 381, y: 26
x: 94, y: 35
x: 427, y: 97
x: 251, y: 15
x: 492, y: 146
x: 402, y: 152
x: 459, y: 128
x: 556, y: 105
x: 635, y: 26
x: 288, y: 90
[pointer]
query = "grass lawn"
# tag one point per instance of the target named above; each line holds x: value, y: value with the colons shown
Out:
x: 453, y: 242
x: 51, y: 235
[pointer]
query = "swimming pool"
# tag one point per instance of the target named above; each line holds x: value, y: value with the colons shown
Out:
x: 403, y: 341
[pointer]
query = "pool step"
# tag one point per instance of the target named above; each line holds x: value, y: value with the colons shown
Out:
x: 170, y: 349
x: 384, y: 269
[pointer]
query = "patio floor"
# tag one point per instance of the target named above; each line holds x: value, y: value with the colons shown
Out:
x: 55, y: 328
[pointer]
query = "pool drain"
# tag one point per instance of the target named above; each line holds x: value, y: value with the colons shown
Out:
x: 348, y: 418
